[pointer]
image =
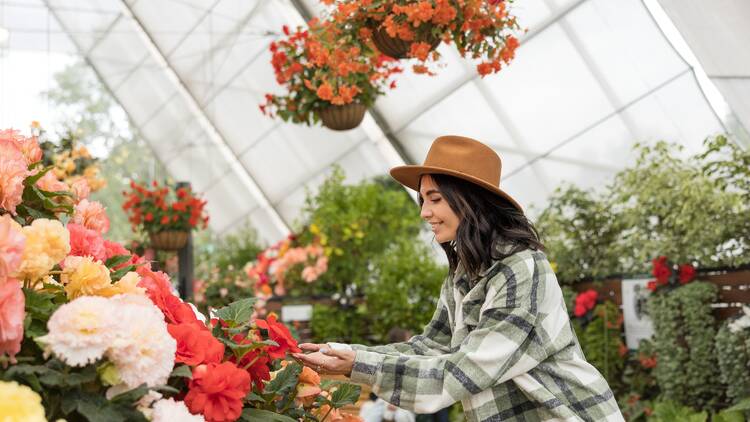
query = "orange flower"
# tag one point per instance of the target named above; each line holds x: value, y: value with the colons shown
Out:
x: 325, y: 91
x: 217, y: 390
x: 444, y: 13
x: 347, y: 93
x: 309, y: 383
x: 420, y: 50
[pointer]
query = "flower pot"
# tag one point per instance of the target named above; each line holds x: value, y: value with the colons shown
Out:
x: 396, y: 47
x: 171, y: 240
x: 342, y: 117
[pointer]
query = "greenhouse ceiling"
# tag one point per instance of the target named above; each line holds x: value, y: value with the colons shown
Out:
x: 592, y: 77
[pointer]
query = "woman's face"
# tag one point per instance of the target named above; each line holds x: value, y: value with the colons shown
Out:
x: 437, y: 212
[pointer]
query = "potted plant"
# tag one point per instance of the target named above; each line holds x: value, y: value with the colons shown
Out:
x: 328, y: 75
x: 166, y: 213
x: 480, y: 29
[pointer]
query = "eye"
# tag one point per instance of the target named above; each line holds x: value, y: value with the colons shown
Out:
x: 435, y: 200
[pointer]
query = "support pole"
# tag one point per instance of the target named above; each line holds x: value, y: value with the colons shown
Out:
x: 185, y: 262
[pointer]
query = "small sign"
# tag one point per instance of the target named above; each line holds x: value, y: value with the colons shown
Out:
x: 296, y: 313
x: 638, y: 325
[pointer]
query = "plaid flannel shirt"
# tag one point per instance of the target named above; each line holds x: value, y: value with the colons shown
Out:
x: 504, y: 347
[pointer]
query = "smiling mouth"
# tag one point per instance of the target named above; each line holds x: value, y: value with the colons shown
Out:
x: 435, y: 226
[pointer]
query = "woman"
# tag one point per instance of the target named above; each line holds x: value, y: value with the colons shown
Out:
x: 500, y: 340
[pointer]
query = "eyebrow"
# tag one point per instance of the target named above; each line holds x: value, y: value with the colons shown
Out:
x: 431, y: 191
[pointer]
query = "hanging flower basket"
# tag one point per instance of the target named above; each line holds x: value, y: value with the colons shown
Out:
x: 343, y: 117
x: 396, y: 47
x: 170, y: 240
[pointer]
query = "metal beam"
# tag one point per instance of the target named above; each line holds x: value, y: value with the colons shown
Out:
x: 207, y: 125
x: 101, y: 80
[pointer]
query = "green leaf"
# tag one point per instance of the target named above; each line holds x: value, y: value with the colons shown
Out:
x: 88, y: 374
x: 131, y: 396
x: 117, y: 275
x: 117, y: 260
x: 345, y: 394
x: 251, y: 396
x: 743, y: 405
x: 260, y: 415
x: 285, y: 380
x: 30, y: 181
x: 96, y: 411
x: 729, y: 416
x: 237, y: 312
x: 182, y: 371
x: 166, y: 389
x: 327, y: 384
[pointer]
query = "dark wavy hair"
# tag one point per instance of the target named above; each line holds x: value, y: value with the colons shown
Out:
x: 486, y: 221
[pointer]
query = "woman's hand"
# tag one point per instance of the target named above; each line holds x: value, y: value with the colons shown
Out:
x: 325, y: 360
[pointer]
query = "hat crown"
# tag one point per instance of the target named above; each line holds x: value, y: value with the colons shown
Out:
x: 467, y: 156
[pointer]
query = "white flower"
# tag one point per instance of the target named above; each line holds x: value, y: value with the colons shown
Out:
x: 81, y: 331
x: 143, y: 351
x: 168, y: 410
x: 144, y: 404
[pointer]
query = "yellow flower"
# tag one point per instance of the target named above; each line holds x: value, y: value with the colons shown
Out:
x: 84, y: 277
x: 47, y: 243
x: 81, y: 151
x: 314, y: 229
x: 70, y: 166
x: 127, y: 284
x: 19, y: 403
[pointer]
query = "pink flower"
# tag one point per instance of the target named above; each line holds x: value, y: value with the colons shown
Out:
x: 81, y: 189
x: 86, y: 242
x: 91, y: 215
x: 12, y: 242
x: 50, y: 183
x: 12, y: 304
x: 13, y: 171
x: 29, y: 147
x: 31, y: 150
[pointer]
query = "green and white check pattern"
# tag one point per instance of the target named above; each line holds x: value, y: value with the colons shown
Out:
x: 504, y: 347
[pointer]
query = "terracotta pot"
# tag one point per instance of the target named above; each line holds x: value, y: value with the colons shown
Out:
x: 343, y: 117
x: 396, y: 47
x: 169, y: 240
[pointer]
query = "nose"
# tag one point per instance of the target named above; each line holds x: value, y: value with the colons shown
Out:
x: 425, y: 213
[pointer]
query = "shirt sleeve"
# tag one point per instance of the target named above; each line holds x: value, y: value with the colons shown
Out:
x: 434, y: 340
x: 503, y: 345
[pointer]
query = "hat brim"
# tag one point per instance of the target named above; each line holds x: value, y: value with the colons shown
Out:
x: 409, y: 176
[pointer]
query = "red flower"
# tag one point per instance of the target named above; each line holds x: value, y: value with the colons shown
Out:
x: 258, y: 368
x: 661, y: 270
x: 194, y: 345
x: 217, y: 390
x: 651, y: 285
x: 159, y: 291
x: 687, y: 273
x: 585, y: 301
x: 279, y: 333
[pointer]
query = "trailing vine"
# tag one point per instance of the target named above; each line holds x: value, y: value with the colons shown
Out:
x: 733, y: 354
x: 684, y: 344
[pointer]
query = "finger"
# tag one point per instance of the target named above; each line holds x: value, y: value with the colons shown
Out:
x: 341, y: 354
x: 310, y: 347
x: 306, y: 359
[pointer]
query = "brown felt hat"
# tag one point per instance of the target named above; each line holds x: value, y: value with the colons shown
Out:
x: 460, y: 157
